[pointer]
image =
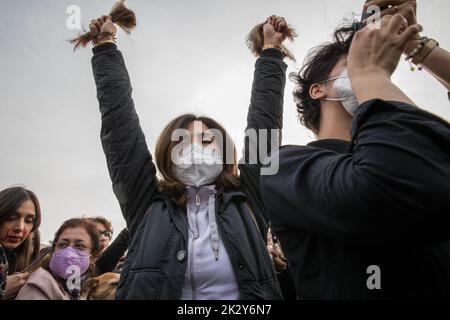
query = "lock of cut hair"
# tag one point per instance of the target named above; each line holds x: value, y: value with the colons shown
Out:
x: 255, y: 40
x: 120, y: 15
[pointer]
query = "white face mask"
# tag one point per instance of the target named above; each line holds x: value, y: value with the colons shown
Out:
x: 343, y: 88
x: 197, y: 166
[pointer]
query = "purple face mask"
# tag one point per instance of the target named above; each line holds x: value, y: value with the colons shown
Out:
x: 63, y: 261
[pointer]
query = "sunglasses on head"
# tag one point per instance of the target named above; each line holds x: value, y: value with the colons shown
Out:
x: 106, y: 233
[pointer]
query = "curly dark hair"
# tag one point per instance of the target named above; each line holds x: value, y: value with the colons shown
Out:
x: 316, y: 68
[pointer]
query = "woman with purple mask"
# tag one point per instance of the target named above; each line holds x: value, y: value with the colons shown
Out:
x: 75, y: 247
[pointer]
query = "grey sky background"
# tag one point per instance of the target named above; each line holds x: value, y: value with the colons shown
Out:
x: 184, y: 56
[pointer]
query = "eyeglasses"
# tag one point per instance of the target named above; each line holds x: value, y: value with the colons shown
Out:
x: 107, y: 234
x: 78, y: 245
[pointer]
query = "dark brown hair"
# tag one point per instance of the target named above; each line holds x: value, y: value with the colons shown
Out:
x: 80, y: 223
x: 316, y: 68
x: 10, y: 200
x: 255, y: 40
x: 228, y: 179
x: 120, y: 15
x: 103, y: 221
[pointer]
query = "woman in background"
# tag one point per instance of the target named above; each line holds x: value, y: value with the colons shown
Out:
x: 71, y: 263
x: 20, y: 216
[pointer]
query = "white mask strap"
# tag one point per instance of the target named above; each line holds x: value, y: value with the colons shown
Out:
x: 333, y: 99
x: 331, y: 79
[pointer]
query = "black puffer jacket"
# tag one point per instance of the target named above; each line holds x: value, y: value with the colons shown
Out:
x: 156, y: 261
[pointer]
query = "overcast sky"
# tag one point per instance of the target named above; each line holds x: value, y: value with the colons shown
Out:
x: 184, y: 56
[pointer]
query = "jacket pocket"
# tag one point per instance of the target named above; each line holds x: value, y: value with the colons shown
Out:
x: 142, y: 284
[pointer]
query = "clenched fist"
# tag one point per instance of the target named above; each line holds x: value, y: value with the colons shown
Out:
x: 274, y: 31
x: 103, y: 24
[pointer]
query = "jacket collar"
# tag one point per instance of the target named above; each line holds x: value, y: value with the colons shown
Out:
x: 223, y: 199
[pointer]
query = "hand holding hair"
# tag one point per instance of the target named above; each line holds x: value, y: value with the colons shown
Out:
x: 120, y: 15
x: 272, y: 32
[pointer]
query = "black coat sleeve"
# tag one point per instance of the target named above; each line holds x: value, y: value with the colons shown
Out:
x: 266, y: 113
x: 108, y: 261
x: 130, y: 164
x: 392, y: 188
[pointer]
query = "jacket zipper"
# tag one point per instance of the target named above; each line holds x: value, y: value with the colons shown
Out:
x: 195, y: 237
x: 227, y: 248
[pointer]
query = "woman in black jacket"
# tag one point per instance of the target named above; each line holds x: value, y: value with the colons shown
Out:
x: 195, y: 234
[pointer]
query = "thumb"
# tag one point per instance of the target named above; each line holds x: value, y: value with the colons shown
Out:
x: 269, y: 238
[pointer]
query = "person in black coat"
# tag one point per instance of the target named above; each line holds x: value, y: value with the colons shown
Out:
x: 164, y: 217
x: 111, y: 259
x: 364, y: 211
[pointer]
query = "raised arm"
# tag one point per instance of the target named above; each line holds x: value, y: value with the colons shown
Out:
x: 266, y: 105
x: 130, y: 164
x: 392, y: 187
x: 437, y: 63
x: 264, y: 114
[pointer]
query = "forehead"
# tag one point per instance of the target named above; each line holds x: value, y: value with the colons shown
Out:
x: 74, y: 234
x: 198, y: 126
x: 339, y: 67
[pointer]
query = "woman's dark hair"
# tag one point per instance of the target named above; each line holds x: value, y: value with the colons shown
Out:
x: 228, y: 179
x: 36, y: 244
x: 10, y: 201
x: 316, y: 68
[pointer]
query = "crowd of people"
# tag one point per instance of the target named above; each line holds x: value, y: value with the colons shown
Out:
x: 372, y: 190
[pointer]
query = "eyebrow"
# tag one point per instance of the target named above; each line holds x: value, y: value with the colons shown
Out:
x: 76, y: 241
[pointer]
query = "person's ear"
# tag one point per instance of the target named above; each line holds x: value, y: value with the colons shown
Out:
x: 317, y: 91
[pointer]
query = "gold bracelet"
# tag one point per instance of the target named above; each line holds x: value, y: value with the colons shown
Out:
x: 103, y: 42
x: 274, y: 46
x: 425, y: 51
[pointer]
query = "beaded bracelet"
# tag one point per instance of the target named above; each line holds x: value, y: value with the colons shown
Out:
x: 103, y: 42
x: 425, y: 51
x: 416, y: 50
x: 101, y: 35
x: 274, y: 46
x: 421, y: 52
